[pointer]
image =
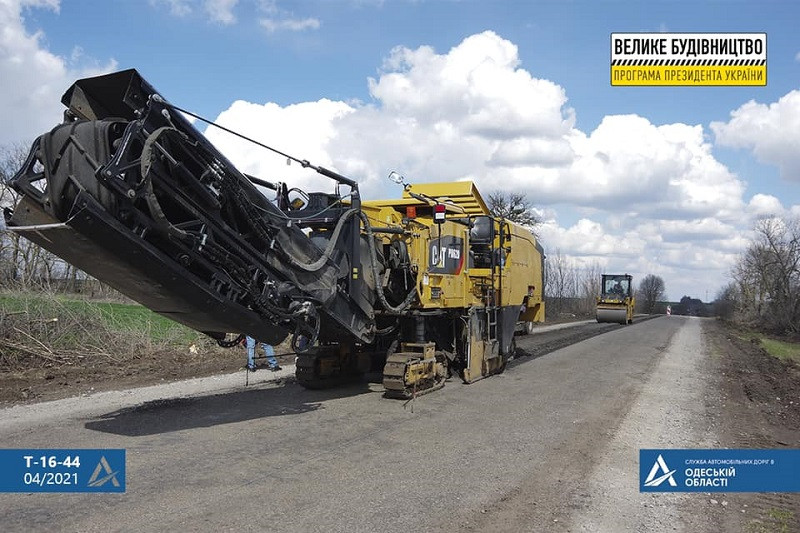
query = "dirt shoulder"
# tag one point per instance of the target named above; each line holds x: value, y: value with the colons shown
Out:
x: 51, y: 380
x: 758, y: 406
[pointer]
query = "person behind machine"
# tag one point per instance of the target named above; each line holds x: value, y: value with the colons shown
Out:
x: 269, y: 353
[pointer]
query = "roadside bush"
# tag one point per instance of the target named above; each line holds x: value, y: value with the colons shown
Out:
x: 40, y: 329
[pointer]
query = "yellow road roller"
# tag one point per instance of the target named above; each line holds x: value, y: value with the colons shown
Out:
x: 616, y: 301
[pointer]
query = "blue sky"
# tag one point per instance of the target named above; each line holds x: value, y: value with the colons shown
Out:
x: 207, y: 54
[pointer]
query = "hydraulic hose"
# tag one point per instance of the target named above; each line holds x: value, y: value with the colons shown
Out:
x: 374, y: 264
x: 152, y: 202
x: 316, y: 265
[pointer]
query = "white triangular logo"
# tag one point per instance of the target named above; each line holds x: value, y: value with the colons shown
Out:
x: 97, y: 481
x: 653, y: 481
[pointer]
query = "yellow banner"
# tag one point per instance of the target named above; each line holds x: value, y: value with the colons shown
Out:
x: 652, y: 75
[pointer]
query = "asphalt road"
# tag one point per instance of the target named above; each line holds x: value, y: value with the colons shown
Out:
x: 550, y: 445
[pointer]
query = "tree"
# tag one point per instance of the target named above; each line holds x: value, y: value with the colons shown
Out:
x: 515, y: 207
x: 767, y: 276
x: 12, y: 248
x: 726, y: 301
x: 559, y: 283
x: 570, y: 288
x: 690, y: 307
x: 22, y: 262
x: 650, y: 291
x: 590, y: 285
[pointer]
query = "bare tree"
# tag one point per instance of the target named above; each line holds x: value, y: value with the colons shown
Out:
x: 23, y: 263
x: 570, y: 289
x: 726, y: 302
x: 768, y: 276
x: 650, y: 291
x: 558, y: 284
x: 589, y: 282
x: 515, y: 207
x: 12, y: 247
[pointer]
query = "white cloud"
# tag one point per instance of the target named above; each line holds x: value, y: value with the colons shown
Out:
x: 473, y: 112
x: 699, y: 229
x: 628, y: 163
x: 770, y: 131
x: 33, y: 77
x: 269, y: 7
x: 587, y: 238
x: 532, y: 151
x: 278, y: 19
x: 273, y: 25
x: 218, y: 11
x: 765, y: 205
x: 696, y: 259
x: 476, y: 86
x: 692, y: 257
x: 797, y: 56
x: 221, y: 10
x: 177, y: 8
x: 301, y: 130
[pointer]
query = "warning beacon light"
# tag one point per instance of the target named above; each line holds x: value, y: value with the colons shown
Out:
x: 438, y: 213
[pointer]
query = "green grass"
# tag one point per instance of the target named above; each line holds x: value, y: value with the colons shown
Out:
x: 776, y: 521
x: 781, y: 349
x: 115, y: 316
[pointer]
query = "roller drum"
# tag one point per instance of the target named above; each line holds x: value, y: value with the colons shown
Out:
x: 619, y: 316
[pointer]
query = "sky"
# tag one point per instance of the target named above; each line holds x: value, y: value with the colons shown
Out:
x: 514, y: 95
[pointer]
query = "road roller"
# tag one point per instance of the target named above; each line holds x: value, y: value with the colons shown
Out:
x: 616, y: 301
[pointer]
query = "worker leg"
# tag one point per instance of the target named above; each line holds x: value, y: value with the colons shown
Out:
x: 250, y: 342
x: 269, y: 351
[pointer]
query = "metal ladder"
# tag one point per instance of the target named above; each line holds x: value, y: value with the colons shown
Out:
x: 491, y: 324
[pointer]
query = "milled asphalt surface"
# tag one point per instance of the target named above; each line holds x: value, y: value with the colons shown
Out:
x: 528, y: 450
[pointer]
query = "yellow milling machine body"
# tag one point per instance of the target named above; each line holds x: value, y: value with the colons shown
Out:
x: 418, y: 288
x: 476, y: 277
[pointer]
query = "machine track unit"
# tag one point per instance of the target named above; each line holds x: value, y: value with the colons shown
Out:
x: 414, y: 371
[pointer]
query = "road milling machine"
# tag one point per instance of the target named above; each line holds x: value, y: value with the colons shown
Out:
x: 616, y: 302
x: 420, y: 288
